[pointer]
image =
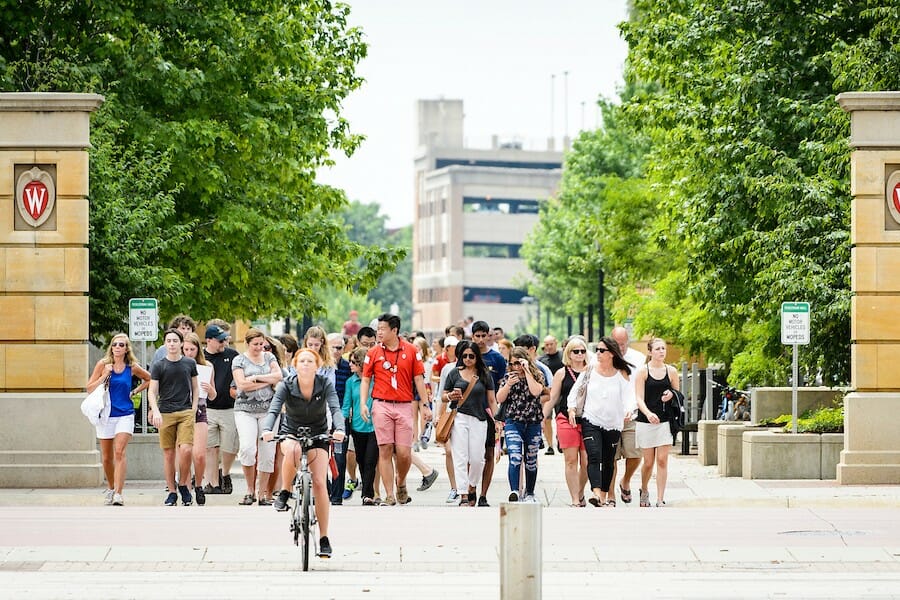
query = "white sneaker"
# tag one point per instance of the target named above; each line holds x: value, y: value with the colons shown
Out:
x: 108, y: 497
x: 453, y: 497
x: 529, y: 498
x: 118, y: 500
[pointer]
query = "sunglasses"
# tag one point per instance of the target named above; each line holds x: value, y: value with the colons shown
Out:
x: 119, y: 345
x: 579, y: 351
x: 472, y: 356
x: 603, y: 350
x: 267, y: 348
x: 337, y: 347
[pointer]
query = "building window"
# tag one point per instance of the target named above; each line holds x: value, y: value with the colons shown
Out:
x: 494, y: 295
x: 440, y: 163
x: 474, y: 204
x: 490, y: 250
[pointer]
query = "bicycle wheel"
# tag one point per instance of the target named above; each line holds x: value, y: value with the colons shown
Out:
x: 305, y: 523
x: 295, y: 515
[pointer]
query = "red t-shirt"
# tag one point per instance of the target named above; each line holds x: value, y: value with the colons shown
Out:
x: 404, y: 364
x: 439, y: 365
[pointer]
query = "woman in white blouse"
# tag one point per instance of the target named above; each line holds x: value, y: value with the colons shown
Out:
x: 605, y: 401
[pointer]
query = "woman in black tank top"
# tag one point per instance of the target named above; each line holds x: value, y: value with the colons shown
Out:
x: 653, y: 391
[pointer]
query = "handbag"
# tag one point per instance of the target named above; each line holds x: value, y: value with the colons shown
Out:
x: 580, y: 390
x: 96, y: 406
x: 445, y: 423
x: 676, y: 412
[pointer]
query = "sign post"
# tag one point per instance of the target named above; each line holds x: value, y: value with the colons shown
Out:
x: 143, y: 319
x: 794, y: 331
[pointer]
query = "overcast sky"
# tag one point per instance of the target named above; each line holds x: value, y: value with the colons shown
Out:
x: 499, y: 56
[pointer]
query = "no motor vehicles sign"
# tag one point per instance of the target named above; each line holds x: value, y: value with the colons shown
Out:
x: 795, y: 323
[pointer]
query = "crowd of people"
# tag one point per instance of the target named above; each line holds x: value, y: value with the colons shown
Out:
x: 377, y: 391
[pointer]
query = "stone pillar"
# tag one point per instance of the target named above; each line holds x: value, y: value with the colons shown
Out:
x: 44, y: 439
x: 871, y: 452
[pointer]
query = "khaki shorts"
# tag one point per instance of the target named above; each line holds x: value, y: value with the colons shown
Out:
x: 177, y: 429
x: 222, y: 430
x: 627, y: 447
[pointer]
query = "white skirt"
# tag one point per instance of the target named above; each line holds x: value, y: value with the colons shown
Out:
x: 648, y: 435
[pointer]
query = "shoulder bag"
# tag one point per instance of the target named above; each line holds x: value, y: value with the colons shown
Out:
x: 445, y: 423
x: 96, y: 405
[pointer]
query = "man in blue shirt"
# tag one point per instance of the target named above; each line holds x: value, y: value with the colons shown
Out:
x: 496, y: 364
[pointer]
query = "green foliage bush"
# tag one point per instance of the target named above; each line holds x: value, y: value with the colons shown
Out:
x: 829, y: 419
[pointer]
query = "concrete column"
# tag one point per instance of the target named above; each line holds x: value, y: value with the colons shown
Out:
x: 44, y: 439
x: 520, y: 551
x: 871, y: 452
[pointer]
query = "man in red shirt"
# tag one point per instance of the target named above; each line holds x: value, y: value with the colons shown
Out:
x: 396, y: 367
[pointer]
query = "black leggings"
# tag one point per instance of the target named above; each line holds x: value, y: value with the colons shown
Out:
x: 600, y: 445
x: 366, y: 459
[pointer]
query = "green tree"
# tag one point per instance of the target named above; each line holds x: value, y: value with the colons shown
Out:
x: 241, y: 101
x: 750, y: 161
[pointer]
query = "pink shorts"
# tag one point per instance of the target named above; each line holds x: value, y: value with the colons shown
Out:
x: 569, y: 437
x: 393, y: 422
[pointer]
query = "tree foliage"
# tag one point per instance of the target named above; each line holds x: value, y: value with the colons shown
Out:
x: 239, y: 102
x: 740, y: 199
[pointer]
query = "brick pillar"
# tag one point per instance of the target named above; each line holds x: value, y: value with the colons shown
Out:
x: 44, y: 439
x: 871, y: 452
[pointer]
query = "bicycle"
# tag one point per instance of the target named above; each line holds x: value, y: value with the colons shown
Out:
x: 303, y: 514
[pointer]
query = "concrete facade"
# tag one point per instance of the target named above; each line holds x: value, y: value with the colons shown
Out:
x: 772, y: 402
x: 871, y: 441
x: 44, y: 439
x: 473, y: 209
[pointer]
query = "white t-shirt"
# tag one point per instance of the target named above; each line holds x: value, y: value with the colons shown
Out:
x: 635, y: 360
x: 607, y: 401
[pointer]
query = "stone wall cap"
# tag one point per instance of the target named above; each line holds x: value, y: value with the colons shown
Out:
x: 49, y: 101
x: 853, y: 101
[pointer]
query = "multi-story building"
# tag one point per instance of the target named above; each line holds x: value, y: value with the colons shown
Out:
x: 473, y: 209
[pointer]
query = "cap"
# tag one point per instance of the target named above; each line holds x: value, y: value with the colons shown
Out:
x: 216, y: 332
x: 450, y: 340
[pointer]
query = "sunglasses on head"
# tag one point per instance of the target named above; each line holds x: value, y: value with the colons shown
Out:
x: 579, y: 351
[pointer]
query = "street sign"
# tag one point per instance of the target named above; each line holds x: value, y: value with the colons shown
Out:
x: 795, y: 323
x: 143, y: 319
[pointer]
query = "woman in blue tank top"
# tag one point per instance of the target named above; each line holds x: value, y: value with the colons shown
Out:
x: 117, y: 367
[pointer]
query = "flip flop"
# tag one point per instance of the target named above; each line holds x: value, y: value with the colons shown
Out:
x: 625, y: 494
x: 595, y: 502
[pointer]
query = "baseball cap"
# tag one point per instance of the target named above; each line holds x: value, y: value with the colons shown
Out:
x: 450, y: 340
x: 216, y: 332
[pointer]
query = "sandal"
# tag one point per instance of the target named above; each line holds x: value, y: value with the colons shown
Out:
x: 582, y: 502
x: 265, y: 502
x: 595, y: 502
x: 609, y: 504
x: 368, y: 502
x: 248, y: 500
x: 625, y: 494
x: 645, y: 499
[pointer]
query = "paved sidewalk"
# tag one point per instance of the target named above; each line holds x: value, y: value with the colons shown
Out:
x: 717, y: 538
x: 689, y: 485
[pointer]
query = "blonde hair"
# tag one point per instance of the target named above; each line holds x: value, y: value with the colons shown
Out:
x: 193, y: 338
x: 325, y: 358
x: 129, y: 357
x: 576, y: 341
x: 423, y: 346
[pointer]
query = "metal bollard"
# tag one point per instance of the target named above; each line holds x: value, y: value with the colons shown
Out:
x: 520, y: 551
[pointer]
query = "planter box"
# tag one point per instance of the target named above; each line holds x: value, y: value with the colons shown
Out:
x: 145, y: 459
x: 772, y: 402
x: 730, y: 448
x: 775, y: 455
x: 708, y: 441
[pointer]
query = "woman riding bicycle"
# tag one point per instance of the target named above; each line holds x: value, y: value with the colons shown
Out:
x: 309, y: 401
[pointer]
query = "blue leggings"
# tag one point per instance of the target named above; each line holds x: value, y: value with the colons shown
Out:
x: 517, y: 435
